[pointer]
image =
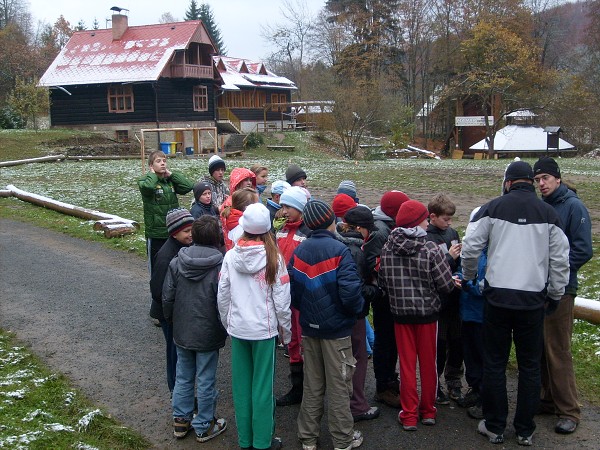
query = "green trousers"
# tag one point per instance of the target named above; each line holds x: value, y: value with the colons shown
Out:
x: 253, y: 373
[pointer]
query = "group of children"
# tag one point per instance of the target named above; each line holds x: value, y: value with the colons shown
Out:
x: 306, y: 273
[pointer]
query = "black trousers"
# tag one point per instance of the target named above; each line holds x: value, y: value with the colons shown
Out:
x: 500, y: 327
x: 472, y: 337
x: 385, y: 354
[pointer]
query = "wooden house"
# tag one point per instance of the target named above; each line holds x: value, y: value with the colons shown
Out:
x: 122, y: 79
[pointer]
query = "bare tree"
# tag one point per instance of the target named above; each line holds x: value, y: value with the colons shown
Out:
x: 289, y: 38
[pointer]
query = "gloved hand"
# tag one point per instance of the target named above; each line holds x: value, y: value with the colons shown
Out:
x: 551, y: 305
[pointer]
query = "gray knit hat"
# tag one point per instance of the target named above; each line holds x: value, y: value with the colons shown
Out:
x: 177, y: 219
x: 200, y: 187
x: 317, y: 215
x: 293, y: 173
x: 214, y: 163
x: 349, y: 188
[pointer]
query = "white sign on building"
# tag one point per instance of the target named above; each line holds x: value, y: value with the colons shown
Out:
x: 472, y: 121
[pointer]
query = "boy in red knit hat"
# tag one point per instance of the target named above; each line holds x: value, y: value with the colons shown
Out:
x: 414, y: 272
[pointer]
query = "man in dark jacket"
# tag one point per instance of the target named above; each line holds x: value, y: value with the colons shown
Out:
x: 326, y: 290
x: 559, y: 391
x: 528, y: 268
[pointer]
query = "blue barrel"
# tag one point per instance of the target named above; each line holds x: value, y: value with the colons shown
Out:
x: 165, y: 147
x: 189, y: 150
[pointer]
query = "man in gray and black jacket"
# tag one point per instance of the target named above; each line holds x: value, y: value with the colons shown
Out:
x: 528, y: 269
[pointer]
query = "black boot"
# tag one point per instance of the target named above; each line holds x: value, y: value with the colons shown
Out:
x: 294, y: 396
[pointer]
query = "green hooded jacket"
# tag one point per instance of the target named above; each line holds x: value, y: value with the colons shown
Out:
x: 159, y: 195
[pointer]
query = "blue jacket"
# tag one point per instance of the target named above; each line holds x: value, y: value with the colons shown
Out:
x: 471, y: 296
x: 575, y: 222
x: 325, y: 286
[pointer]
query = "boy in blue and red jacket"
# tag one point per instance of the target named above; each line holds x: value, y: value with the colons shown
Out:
x: 326, y: 290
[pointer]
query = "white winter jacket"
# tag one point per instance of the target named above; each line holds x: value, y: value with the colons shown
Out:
x: 249, y: 308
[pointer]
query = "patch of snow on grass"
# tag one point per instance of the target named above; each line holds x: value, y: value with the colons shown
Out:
x: 58, y: 427
x: 82, y: 446
x: 69, y: 397
x: 18, y: 394
x: 85, y: 421
x: 20, y: 442
x: 37, y: 413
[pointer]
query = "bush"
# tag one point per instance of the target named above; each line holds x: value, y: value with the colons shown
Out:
x: 254, y: 140
x: 9, y: 119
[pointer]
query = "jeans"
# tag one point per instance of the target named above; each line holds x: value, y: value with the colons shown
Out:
x: 370, y: 336
x: 171, y: 353
x: 500, y: 327
x: 197, y: 368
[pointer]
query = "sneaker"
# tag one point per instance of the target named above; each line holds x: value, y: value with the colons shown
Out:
x: 471, y: 398
x: 389, y: 398
x: 475, y: 412
x: 494, y: 438
x: 309, y: 447
x: 406, y: 427
x: 357, y: 440
x: 441, y: 398
x: 277, y: 444
x: 181, y: 427
x: 372, y: 413
x: 429, y: 421
x: 286, y: 352
x: 565, y: 426
x: 455, y: 394
x: 217, y: 426
x: 525, y: 440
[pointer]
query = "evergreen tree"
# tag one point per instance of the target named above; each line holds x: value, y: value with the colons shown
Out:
x: 206, y: 15
x: 193, y: 13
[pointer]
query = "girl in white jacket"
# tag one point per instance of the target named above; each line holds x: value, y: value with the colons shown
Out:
x: 254, y: 299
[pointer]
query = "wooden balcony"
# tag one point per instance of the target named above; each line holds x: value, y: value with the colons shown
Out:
x: 191, y: 71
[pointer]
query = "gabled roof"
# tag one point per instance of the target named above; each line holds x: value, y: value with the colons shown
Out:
x: 242, y: 73
x: 140, y: 55
x: 521, y: 138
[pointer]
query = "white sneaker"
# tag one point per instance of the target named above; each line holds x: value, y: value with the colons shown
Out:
x: 527, y: 441
x: 357, y: 440
x: 494, y: 438
x: 309, y: 447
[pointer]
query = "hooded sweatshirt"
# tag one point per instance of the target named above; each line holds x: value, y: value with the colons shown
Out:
x: 249, y: 308
x: 190, y: 299
x: 413, y: 272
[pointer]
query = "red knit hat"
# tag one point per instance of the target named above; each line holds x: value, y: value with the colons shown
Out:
x: 411, y: 214
x: 341, y: 204
x: 391, y: 201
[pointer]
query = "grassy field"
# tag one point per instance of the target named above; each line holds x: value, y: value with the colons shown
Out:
x: 110, y: 186
x: 40, y: 410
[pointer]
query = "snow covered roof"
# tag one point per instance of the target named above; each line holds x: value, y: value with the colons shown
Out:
x: 522, y: 113
x: 140, y: 55
x: 521, y: 138
x: 239, y: 73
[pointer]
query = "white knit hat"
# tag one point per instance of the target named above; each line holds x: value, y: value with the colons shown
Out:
x: 294, y: 197
x: 279, y: 187
x: 256, y: 219
x: 214, y: 163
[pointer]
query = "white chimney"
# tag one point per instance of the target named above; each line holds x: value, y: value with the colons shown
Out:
x: 119, y: 26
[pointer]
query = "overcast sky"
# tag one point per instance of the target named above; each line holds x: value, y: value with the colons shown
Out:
x: 239, y: 21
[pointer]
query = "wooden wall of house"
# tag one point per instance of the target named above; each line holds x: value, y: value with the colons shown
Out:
x: 88, y: 104
x: 257, y: 114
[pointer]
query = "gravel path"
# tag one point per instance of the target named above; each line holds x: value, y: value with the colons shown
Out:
x: 84, y: 310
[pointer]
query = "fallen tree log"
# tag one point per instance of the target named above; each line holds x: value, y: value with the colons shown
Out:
x: 32, y: 160
x: 111, y: 225
x: 102, y: 157
x: 588, y: 310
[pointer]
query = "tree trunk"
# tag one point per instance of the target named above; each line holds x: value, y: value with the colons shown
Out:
x: 104, y: 221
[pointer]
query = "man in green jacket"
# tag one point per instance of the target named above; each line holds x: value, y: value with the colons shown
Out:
x: 159, y: 189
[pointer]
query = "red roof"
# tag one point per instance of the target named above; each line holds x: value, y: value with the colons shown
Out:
x: 140, y: 55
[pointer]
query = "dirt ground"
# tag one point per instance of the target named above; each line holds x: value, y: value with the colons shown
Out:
x: 84, y: 310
